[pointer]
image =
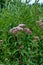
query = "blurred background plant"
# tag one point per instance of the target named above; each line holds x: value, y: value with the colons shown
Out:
x: 13, y: 13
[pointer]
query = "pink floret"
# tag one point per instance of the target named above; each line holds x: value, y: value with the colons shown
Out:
x: 22, y: 25
x: 27, y: 30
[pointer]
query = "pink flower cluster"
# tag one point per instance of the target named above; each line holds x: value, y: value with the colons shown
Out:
x: 20, y: 27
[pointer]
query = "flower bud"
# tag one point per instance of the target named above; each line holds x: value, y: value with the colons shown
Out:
x: 13, y: 31
x: 19, y: 28
x: 40, y: 22
x: 36, y: 38
x: 22, y: 25
x: 27, y: 30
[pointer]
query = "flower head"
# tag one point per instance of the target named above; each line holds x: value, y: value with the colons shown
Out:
x: 40, y: 22
x: 19, y: 28
x: 15, y: 29
x: 36, y: 38
x: 27, y: 30
x: 22, y: 25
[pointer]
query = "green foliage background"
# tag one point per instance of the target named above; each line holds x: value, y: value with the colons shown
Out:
x: 11, y: 15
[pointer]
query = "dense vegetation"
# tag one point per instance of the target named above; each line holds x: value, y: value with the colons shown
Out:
x: 21, y: 48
